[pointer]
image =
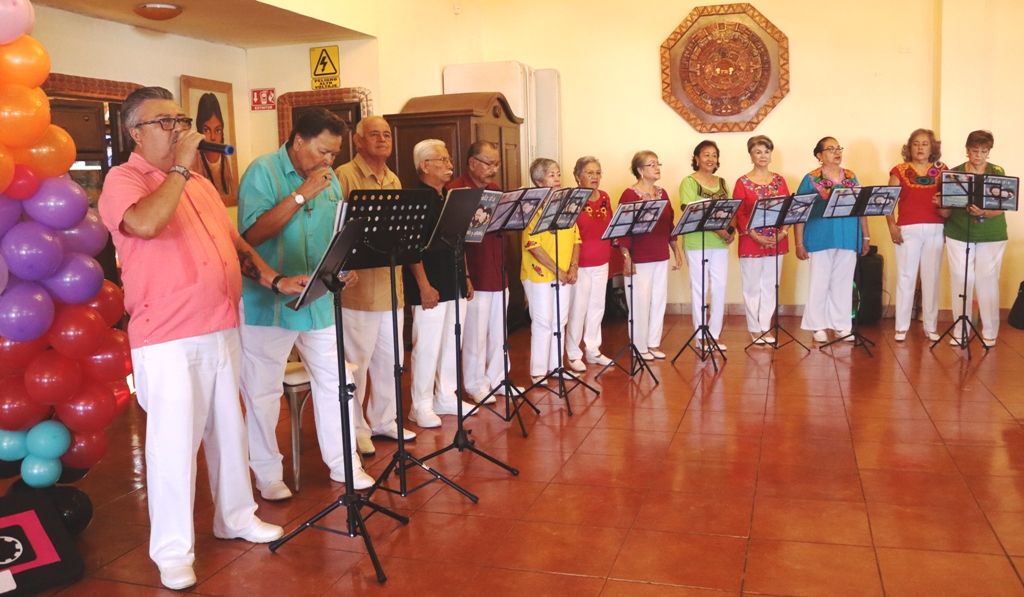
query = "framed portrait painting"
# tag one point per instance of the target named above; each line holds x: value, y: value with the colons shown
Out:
x: 209, y: 103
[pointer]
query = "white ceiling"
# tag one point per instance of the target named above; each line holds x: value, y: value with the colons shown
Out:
x: 242, y: 23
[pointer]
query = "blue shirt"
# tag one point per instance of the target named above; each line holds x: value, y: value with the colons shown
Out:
x: 820, y: 233
x: 298, y: 247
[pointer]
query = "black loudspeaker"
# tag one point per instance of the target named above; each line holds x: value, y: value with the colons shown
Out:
x: 868, y: 278
x: 36, y: 550
x: 1016, y: 317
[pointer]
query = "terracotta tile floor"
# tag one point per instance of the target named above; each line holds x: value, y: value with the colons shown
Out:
x: 786, y: 473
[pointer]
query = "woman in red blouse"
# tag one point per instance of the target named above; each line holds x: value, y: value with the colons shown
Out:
x: 760, y: 249
x: 586, y: 302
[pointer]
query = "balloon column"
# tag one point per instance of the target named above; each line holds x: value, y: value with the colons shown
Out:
x: 62, y: 366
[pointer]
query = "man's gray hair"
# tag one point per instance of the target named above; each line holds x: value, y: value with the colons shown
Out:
x: 359, y: 125
x: 132, y: 103
x: 425, y: 150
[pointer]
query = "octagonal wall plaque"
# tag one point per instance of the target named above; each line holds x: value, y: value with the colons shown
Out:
x: 724, y: 68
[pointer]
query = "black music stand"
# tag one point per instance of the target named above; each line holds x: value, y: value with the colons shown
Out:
x: 709, y: 215
x: 775, y: 212
x: 326, y: 279
x: 513, y: 213
x: 847, y: 202
x: 986, y: 191
x: 394, y: 233
x: 560, y: 213
x: 449, y: 235
x: 633, y: 219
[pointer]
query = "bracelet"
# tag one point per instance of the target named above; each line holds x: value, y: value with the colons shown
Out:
x: 867, y: 238
x: 273, y: 283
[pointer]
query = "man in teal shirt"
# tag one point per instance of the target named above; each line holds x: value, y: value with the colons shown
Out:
x: 287, y: 202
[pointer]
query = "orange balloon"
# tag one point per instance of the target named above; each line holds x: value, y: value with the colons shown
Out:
x: 24, y: 115
x: 6, y: 168
x: 24, y: 61
x: 51, y: 156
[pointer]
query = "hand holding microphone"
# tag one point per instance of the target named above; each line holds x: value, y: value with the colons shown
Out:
x: 220, y: 148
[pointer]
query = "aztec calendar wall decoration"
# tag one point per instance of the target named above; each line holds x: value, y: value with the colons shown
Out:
x: 724, y: 68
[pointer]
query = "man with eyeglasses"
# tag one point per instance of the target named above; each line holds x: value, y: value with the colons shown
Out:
x: 366, y: 313
x: 182, y: 263
x: 287, y: 202
x: 483, y: 366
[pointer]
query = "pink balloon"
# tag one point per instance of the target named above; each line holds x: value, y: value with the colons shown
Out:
x: 17, y: 18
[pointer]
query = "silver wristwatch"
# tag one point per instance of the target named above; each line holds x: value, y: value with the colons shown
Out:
x: 299, y: 199
x: 181, y: 170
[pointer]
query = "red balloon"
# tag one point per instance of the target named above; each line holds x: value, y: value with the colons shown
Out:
x: 113, y: 360
x: 17, y: 410
x: 15, y: 356
x: 50, y: 155
x: 52, y: 377
x: 23, y: 184
x: 77, y: 331
x: 109, y: 301
x: 122, y: 395
x: 6, y: 168
x: 91, y: 409
x: 86, y: 450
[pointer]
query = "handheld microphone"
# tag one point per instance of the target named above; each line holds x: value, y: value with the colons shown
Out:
x: 205, y: 145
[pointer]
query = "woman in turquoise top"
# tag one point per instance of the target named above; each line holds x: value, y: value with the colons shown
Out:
x: 704, y: 184
x: 987, y: 240
x: 831, y: 245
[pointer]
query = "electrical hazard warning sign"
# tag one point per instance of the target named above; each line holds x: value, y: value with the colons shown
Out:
x: 323, y: 67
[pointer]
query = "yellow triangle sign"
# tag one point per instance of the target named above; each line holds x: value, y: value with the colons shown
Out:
x: 325, y: 66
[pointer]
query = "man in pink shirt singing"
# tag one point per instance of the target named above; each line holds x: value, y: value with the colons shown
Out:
x: 182, y: 262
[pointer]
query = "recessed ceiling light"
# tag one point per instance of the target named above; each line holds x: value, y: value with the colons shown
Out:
x: 158, y: 11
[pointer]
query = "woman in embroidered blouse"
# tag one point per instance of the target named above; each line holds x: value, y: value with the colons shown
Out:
x: 917, y: 231
x: 645, y: 258
x: 586, y: 303
x: 987, y: 241
x: 760, y: 249
x: 831, y: 245
x: 703, y: 184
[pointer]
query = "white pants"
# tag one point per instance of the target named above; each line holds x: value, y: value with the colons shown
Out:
x: 483, y: 357
x: 650, y: 293
x: 921, y: 249
x: 830, y: 290
x: 759, y: 276
x: 543, y: 342
x: 586, y: 310
x: 370, y: 350
x: 433, y: 354
x: 264, y: 354
x: 982, y: 277
x: 189, y: 390
x: 715, y: 276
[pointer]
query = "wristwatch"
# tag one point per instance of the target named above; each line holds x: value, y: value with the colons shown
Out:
x: 299, y: 199
x: 181, y: 170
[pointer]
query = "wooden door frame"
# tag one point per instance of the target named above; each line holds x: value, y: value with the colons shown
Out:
x: 322, y: 97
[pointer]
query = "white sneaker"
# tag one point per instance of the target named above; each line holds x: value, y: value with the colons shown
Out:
x: 392, y: 432
x: 516, y: 390
x: 933, y: 336
x: 721, y: 346
x: 820, y: 336
x: 768, y: 339
x: 536, y: 379
x: 846, y: 335
x: 450, y: 408
x: 901, y: 336
x: 656, y: 353
x: 257, y: 532
x: 361, y: 479
x: 364, y: 445
x: 177, y: 578
x: 425, y: 418
x: 757, y: 339
x: 598, y: 359
x: 577, y: 366
x: 990, y: 342
x: 275, y: 491
x: 483, y: 398
x: 647, y: 356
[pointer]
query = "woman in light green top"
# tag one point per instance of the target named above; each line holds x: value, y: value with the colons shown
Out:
x: 986, y: 239
x: 704, y: 184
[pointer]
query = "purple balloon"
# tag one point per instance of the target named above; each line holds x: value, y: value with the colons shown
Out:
x: 26, y: 311
x: 32, y: 251
x: 10, y: 213
x: 77, y: 280
x: 88, y: 236
x: 4, y: 275
x: 59, y: 203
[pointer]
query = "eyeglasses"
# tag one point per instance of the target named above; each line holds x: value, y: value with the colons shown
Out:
x: 168, y: 123
x: 833, y: 149
x: 653, y: 164
x: 494, y: 164
x: 443, y: 160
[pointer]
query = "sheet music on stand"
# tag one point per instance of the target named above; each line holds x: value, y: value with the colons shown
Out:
x: 515, y: 208
x: 784, y: 210
x: 391, y: 219
x: 986, y: 191
x: 562, y: 209
x: 634, y: 218
x: 464, y: 212
x: 706, y: 215
x: 862, y: 201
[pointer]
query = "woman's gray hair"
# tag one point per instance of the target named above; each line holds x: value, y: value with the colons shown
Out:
x: 132, y: 103
x: 425, y: 150
x: 539, y: 168
x: 582, y: 163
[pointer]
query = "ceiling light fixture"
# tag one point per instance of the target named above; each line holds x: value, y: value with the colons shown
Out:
x: 158, y: 11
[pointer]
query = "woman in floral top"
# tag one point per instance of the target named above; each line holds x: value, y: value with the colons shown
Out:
x: 831, y: 245
x: 917, y: 232
x: 760, y: 249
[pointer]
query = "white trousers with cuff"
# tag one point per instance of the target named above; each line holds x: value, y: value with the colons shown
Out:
x: 543, y: 343
x: 586, y: 311
x: 759, y: 276
x: 647, y: 307
x: 830, y: 290
x: 716, y: 274
x: 921, y: 251
x: 483, y: 337
x: 370, y: 350
x: 433, y: 355
x: 983, y: 269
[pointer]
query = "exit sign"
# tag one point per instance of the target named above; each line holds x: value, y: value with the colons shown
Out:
x: 263, y: 99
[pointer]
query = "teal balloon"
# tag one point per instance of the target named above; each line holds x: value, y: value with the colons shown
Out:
x: 12, y: 445
x: 49, y: 439
x: 40, y: 472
